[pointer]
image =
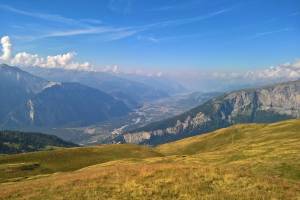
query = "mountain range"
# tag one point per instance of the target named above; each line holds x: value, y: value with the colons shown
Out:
x: 16, y: 86
x: 66, y: 104
x: 28, y: 100
x: 265, y: 104
x: 132, y: 89
x: 50, y: 98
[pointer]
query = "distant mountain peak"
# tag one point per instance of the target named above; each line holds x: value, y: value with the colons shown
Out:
x: 30, y: 101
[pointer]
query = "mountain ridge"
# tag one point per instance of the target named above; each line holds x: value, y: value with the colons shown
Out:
x: 12, y: 142
x: 31, y: 101
x: 266, y: 104
x: 17, y: 86
x: 66, y: 103
x: 134, y: 90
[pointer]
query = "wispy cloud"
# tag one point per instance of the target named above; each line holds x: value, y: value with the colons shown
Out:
x: 263, y: 34
x: 177, y: 6
x: 120, y: 35
x: 92, y: 21
x: 48, y: 17
x: 120, y: 6
x: 51, y: 17
x: 178, y: 37
x: 86, y: 31
x: 189, y: 20
x: 77, y: 26
x: 148, y: 39
x: 94, y: 26
x: 76, y: 32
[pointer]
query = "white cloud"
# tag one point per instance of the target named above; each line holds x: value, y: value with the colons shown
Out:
x: 6, y: 49
x: 148, y: 39
x: 159, y: 74
x: 24, y: 59
x: 285, y: 71
x: 112, y: 69
x: 218, y: 81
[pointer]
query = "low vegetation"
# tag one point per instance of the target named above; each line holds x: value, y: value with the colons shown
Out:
x: 17, y: 142
x: 250, y: 161
x: 15, y: 167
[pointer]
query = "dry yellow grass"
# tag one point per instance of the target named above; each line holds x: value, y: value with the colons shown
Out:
x: 160, y: 179
x: 18, y: 166
x: 240, y: 162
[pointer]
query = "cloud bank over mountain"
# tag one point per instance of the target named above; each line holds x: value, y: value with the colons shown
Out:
x: 220, y: 81
x: 288, y: 70
x: 67, y: 61
x: 6, y: 48
x: 24, y: 59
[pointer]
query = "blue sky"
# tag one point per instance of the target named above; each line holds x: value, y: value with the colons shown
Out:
x: 156, y: 34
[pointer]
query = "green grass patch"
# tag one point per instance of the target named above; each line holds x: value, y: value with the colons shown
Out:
x: 69, y: 159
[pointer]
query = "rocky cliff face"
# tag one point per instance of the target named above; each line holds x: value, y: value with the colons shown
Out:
x: 267, y: 104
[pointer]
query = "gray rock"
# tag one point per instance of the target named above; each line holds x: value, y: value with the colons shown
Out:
x: 267, y: 104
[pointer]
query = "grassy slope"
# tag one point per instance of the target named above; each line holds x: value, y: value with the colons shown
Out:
x: 240, y: 162
x: 62, y: 160
x: 265, y: 148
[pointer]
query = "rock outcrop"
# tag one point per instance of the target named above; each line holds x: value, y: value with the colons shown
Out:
x: 261, y: 105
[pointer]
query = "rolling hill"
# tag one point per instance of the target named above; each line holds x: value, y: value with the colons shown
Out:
x: 70, y: 159
x: 247, y: 161
x: 18, y: 142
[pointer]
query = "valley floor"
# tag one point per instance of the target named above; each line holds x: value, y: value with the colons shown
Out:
x: 241, y: 162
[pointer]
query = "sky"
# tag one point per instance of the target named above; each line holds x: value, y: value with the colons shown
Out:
x: 203, y: 35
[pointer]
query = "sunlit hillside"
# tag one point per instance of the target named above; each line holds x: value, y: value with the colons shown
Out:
x: 249, y: 161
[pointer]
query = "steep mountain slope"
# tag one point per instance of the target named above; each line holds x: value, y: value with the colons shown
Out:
x: 152, y: 112
x: 66, y: 104
x: 266, y: 104
x: 133, y: 93
x: 17, y: 142
x: 16, y: 86
x: 247, y: 161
